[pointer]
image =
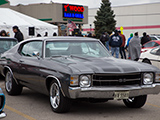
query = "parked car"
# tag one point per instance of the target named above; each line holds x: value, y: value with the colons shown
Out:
x: 150, y: 45
x: 152, y: 56
x: 67, y: 68
x: 154, y: 37
x: 6, y: 43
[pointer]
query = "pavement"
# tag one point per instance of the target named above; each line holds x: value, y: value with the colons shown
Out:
x: 31, y: 105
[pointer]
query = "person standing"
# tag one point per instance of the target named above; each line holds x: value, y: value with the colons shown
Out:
x: 3, y: 33
x: 115, y: 42
x: 18, y: 35
x: 131, y: 36
x: 107, y: 40
x: 144, y: 39
x: 104, y: 37
x: 135, y: 47
x: 122, y: 50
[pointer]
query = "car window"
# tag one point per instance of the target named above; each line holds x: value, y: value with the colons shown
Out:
x: 79, y: 48
x: 153, y: 38
x: 29, y: 48
x: 150, y: 44
x: 156, y: 44
x: 155, y: 51
x: 6, y: 45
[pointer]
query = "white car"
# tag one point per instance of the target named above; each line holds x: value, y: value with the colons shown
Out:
x: 151, y: 56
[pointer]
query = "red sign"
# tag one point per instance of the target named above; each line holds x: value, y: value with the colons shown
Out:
x: 73, y: 8
x: 73, y: 11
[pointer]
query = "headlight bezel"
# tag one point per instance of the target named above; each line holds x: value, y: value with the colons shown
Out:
x: 82, y: 81
x: 148, y: 78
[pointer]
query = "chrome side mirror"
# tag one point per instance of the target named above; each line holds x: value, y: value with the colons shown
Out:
x: 36, y: 54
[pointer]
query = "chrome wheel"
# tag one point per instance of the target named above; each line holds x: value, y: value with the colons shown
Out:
x: 135, y: 102
x: 130, y: 100
x: 8, y: 81
x: 54, y: 95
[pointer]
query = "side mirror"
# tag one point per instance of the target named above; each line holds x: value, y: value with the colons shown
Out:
x: 36, y: 54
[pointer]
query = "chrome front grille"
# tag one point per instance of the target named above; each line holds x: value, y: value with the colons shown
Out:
x: 116, y: 79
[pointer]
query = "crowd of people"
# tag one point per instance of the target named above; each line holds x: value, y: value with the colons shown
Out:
x: 19, y: 35
x: 116, y: 43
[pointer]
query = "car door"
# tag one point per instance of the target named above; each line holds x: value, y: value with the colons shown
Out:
x: 29, y: 64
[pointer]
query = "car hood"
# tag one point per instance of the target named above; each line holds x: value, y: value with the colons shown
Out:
x: 105, y: 65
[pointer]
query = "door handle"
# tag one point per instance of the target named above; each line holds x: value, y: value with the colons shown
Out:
x: 21, y: 61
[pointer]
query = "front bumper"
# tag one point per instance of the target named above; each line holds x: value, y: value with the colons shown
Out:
x: 108, y: 92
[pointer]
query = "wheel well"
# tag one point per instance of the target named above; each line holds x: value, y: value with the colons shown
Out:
x: 5, y: 71
x: 48, y: 82
x: 146, y: 59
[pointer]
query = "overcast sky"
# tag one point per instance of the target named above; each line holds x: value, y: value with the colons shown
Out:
x: 90, y: 3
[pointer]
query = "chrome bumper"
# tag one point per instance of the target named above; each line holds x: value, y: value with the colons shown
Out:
x: 108, y: 92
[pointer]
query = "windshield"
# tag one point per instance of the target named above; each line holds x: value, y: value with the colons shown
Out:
x: 6, y: 45
x: 158, y: 37
x: 78, y: 48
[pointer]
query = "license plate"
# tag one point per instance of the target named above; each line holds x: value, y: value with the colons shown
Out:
x: 121, y: 95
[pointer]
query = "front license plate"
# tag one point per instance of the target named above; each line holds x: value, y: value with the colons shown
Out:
x: 121, y: 95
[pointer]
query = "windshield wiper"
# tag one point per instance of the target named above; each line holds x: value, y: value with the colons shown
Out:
x: 78, y: 57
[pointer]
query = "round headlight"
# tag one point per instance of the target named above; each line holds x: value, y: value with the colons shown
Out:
x: 148, y: 78
x: 85, y: 81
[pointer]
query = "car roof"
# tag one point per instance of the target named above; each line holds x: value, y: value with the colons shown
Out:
x: 157, y: 41
x: 7, y: 38
x: 62, y: 38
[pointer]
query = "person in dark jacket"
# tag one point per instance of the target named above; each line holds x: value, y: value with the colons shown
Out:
x: 104, y: 38
x: 122, y: 50
x: 3, y: 33
x: 144, y: 39
x: 115, y: 42
x: 18, y: 35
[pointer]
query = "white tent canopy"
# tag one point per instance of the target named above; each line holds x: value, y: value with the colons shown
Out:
x: 10, y: 18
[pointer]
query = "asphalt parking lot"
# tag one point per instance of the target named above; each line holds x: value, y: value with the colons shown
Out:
x: 31, y: 105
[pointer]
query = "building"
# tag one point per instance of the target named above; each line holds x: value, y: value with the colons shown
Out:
x: 141, y: 18
x: 133, y: 18
x: 55, y: 13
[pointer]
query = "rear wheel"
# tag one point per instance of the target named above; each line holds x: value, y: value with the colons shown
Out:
x: 59, y: 103
x: 135, y: 102
x: 11, y: 86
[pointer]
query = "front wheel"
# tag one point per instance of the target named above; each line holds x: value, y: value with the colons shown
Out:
x: 59, y: 103
x: 135, y: 102
x: 11, y: 86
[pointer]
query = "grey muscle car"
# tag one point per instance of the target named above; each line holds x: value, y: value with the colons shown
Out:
x: 67, y: 68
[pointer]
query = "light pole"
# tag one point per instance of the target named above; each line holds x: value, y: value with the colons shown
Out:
x: 90, y: 27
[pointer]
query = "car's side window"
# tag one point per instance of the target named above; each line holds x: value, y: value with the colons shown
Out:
x: 153, y: 38
x: 156, y: 44
x: 155, y: 51
x: 150, y: 44
x: 29, y: 48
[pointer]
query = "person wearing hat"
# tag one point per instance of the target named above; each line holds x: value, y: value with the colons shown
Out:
x: 122, y: 50
x: 18, y: 35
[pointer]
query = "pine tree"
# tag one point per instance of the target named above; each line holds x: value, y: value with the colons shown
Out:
x: 105, y: 21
